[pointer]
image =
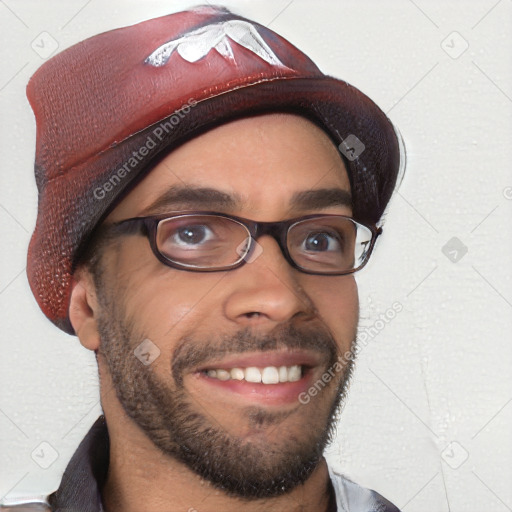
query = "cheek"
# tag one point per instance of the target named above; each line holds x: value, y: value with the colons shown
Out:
x: 337, y: 303
x: 162, y: 302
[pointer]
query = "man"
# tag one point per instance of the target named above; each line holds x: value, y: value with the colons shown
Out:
x: 205, y: 196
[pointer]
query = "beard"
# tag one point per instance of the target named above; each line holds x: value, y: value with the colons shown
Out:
x: 183, y: 429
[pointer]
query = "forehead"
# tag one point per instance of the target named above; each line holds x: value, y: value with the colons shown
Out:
x: 262, y: 161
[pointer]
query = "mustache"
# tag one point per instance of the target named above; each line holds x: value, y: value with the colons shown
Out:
x: 193, y: 352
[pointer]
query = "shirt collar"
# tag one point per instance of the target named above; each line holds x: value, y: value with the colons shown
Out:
x: 85, y: 475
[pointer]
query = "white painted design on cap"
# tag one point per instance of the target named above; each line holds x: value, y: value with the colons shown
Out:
x: 197, y: 44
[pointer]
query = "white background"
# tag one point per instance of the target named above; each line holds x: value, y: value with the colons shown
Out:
x: 434, y: 386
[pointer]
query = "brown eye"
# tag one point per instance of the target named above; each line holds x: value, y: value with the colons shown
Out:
x: 191, y: 235
x: 320, y: 242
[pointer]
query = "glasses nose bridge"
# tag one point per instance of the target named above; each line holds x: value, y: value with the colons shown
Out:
x: 277, y: 230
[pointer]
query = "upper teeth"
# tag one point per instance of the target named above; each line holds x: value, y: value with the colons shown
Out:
x: 267, y: 375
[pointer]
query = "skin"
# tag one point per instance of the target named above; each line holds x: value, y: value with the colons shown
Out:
x: 265, y: 160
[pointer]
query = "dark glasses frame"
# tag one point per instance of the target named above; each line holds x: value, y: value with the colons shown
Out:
x: 148, y: 226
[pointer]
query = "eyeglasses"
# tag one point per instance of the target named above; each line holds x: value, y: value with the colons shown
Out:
x: 210, y: 241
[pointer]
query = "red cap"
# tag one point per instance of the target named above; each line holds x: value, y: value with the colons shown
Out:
x: 109, y: 107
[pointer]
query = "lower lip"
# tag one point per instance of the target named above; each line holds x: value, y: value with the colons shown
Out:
x: 267, y: 394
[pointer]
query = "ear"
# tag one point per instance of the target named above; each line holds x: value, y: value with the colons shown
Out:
x: 83, y: 308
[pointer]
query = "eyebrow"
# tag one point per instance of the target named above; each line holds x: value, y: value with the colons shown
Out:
x: 187, y: 196
x: 191, y: 197
x: 316, y: 199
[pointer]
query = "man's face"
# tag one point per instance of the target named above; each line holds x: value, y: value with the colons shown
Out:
x: 251, y: 439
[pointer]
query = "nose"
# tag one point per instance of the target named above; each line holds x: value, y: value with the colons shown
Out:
x: 266, y: 290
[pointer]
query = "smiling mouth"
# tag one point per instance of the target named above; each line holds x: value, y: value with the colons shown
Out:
x: 265, y: 378
x: 266, y: 375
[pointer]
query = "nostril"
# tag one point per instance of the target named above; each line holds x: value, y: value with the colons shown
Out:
x: 252, y: 314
